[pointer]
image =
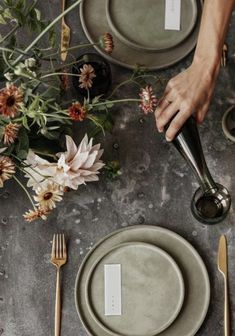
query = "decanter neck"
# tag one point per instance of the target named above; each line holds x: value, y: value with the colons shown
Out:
x: 189, y: 145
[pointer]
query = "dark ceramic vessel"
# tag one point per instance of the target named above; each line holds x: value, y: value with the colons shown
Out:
x: 103, y: 80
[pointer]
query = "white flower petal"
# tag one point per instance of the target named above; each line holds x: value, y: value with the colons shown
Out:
x: 3, y: 149
x: 83, y: 145
x: 92, y: 178
x: 79, y: 160
x: 71, y: 148
x: 90, y: 161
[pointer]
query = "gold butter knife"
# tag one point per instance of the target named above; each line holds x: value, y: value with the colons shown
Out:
x: 65, y: 35
x: 224, y: 55
x: 223, y: 268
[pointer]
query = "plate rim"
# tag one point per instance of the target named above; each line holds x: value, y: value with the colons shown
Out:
x: 162, y: 252
x: 139, y: 226
x: 130, y: 66
x: 139, y: 47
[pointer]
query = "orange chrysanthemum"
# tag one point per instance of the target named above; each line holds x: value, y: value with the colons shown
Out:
x: 38, y: 213
x: 10, y: 99
x: 87, y: 73
x: 7, y: 169
x: 10, y: 133
x: 77, y: 112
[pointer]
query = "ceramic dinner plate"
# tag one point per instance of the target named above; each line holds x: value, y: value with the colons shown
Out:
x: 197, y: 287
x: 95, y: 23
x: 152, y: 290
x: 144, y: 27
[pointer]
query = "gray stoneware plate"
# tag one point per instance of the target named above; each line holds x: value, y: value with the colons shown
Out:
x: 144, y: 27
x: 95, y: 23
x: 152, y: 290
x: 197, y: 286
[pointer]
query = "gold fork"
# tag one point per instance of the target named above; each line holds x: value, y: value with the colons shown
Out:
x: 58, y: 258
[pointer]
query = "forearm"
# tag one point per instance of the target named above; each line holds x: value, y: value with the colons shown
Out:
x: 191, y: 90
x: 214, y: 26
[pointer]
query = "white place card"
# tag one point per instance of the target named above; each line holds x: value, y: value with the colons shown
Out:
x: 172, y: 14
x: 112, y: 289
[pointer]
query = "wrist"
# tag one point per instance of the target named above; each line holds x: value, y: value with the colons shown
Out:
x: 210, y: 63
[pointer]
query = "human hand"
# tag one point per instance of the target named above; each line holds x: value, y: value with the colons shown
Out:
x: 187, y: 93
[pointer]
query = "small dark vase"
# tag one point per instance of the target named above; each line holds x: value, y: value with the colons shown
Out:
x: 103, y: 80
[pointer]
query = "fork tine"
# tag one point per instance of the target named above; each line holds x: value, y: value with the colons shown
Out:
x: 57, y: 246
x: 61, y: 251
x: 53, y: 247
x: 64, y: 247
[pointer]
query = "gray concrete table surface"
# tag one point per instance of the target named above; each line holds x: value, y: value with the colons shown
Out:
x: 155, y: 188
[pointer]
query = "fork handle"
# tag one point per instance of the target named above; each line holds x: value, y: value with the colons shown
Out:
x: 226, y: 309
x: 58, y: 303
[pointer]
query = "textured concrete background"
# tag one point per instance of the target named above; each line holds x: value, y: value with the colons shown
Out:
x: 155, y: 188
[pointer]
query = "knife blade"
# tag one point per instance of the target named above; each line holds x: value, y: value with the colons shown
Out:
x: 65, y: 36
x: 222, y: 256
x: 223, y: 268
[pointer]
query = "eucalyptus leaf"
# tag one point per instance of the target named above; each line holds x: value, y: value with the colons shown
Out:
x: 2, y: 68
x: 25, y: 123
x: 52, y: 135
x: 22, y: 154
x: 20, y: 4
x: 7, y: 14
x: 38, y: 14
x: 2, y: 20
x: 22, y: 145
x: 52, y: 37
x: 44, y: 145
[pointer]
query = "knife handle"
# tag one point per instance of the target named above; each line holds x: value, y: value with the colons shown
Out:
x: 63, y: 8
x: 226, y: 309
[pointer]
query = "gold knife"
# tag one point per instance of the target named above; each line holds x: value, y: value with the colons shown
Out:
x: 65, y: 35
x: 223, y: 268
x: 224, y: 55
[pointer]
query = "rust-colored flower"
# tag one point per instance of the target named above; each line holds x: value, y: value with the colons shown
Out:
x: 7, y: 169
x: 106, y: 42
x: 37, y: 213
x: 64, y: 78
x: 66, y: 189
x: 87, y: 73
x: 10, y: 98
x: 77, y: 112
x: 148, y: 99
x: 10, y: 133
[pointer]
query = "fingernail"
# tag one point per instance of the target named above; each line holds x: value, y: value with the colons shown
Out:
x: 168, y: 139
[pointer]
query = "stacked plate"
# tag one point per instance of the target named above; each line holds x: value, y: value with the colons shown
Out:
x: 164, y: 282
x: 137, y: 26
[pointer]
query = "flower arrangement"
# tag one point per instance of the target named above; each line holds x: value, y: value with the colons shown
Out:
x: 34, y: 118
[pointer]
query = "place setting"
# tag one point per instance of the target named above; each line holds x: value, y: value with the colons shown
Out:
x: 61, y: 108
x: 142, y: 280
x: 155, y: 35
